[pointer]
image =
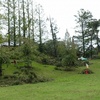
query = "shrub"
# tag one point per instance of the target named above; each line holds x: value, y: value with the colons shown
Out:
x: 69, y: 69
x: 96, y: 56
x: 27, y: 53
x: 17, y: 82
x: 82, y: 63
x: 4, y: 58
x: 69, y: 60
x: 58, y: 64
x: 9, y: 77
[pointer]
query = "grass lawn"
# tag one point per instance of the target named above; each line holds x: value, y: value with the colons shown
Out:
x: 64, y: 86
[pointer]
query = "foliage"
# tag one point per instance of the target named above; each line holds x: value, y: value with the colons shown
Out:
x: 1, y: 38
x: 27, y: 53
x: 69, y: 59
x: 82, y: 19
x: 15, y: 53
x: 70, y: 55
x: 22, y: 75
x: 44, y: 59
x: 58, y: 64
x: 96, y: 56
x: 4, y: 58
x: 26, y: 74
x: 54, y: 31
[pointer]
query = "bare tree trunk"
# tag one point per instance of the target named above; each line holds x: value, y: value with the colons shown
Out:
x: 29, y: 21
x: 40, y: 33
x: 19, y: 23
x: 8, y: 22
x: 14, y: 27
x: 91, y: 43
x: 24, y: 22
x: 97, y: 43
x: 83, y: 40
x: 53, y: 38
x: 32, y: 22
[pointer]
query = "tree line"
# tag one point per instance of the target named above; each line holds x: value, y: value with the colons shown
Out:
x: 88, y: 32
x: 24, y: 20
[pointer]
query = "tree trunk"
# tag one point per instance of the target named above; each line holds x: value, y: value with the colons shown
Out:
x: 24, y: 28
x: 40, y: 35
x: 32, y: 22
x: 29, y: 21
x: 19, y: 23
x: 91, y: 44
x: 97, y: 43
x: 0, y: 70
x: 14, y: 27
x: 83, y: 40
x: 8, y: 22
x: 54, y: 39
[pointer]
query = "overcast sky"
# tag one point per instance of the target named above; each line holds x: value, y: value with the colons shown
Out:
x: 63, y: 12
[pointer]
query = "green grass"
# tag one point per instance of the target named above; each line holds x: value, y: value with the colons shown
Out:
x: 64, y: 86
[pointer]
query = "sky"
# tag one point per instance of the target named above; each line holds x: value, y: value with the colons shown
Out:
x: 63, y: 12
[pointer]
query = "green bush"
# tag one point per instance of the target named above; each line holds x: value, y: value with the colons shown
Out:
x: 82, y: 63
x: 96, y: 56
x: 9, y: 77
x: 27, y: 53
x: 44, y: 59
x: 69, y: 69
x: 69, y: 60
x: 58, y: 64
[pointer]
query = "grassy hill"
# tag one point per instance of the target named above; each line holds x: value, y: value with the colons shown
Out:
x: 63, y: 86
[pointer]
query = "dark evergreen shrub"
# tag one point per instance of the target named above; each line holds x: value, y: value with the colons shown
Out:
x: 69, y: 69
x: 69, y: 60
x: 58, y: 64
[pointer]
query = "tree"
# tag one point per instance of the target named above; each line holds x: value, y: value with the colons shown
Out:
x: 93, y: 34
x: 24, y: 19
x: 67, y: 39
x: 9, y: 22
x: 70, y: 57
x: 95, y: 25
x: 1, y: 38
x: 32, y: 21
x: 1, y: 17
x: 27, y: 53
x: 54, y: 31
x: 82, y: 18
x: 14, y: 22
x: 4, y: 58
x: 29, y: 20
x: 19, y: 22
x: 41, y: 25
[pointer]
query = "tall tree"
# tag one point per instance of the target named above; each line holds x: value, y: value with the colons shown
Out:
x: 1, y: 17
x: 14, y: 22
x: 54, y: 31
x: 82, y: 18
x: 67, y: 39
x: 19, y: 22
x: 29, y: 20
x: 24, y: 20
x: 41, y: 25
x: 8, y: 22
x: 93, y: 33
x: 32, y: 20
